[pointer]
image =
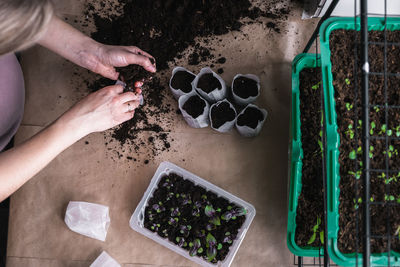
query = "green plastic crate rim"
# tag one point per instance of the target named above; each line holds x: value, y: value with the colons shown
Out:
x: 300, y: 62
x: 333, y: 140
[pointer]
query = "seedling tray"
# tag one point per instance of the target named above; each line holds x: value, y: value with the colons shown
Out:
x: 137, y: 220
x: 333, y: 140
x: 300, y: 62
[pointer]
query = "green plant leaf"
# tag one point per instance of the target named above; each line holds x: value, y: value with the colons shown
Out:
x: 219, y: 247
x: 352, y: 155
x: 312, y: 239
x: 347, y: 81
x: 321, y: 237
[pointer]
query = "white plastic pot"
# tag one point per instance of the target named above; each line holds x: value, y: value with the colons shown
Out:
x: 202, y: 120
x: 227, y: 126
x: 176, y: 91
x: 215, y: 95
x: 245, y: 101
x: 247, y: 131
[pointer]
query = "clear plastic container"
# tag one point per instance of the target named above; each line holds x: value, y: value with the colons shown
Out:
x: 137, y: 220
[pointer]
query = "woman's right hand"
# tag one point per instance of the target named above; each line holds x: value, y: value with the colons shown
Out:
x: 100, y: 111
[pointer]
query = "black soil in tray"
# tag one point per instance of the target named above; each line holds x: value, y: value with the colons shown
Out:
x: 194, y: 106
x: 182, y: 80
x: 208, y: 83
x: 250, y: 117
x: 193, y: 218
x: 310, y: 208
x: 385, y: 218
x: 221, y: 113
x: 245, y: 87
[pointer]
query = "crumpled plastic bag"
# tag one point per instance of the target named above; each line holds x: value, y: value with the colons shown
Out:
x: 202, y: 120
x: 216, y: 94
x: 227, y: 126
x: 247, y: 131
x: 88, y: 219
x: 105, y: 260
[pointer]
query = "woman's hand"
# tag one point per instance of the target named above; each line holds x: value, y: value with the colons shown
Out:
x: 100, y: 111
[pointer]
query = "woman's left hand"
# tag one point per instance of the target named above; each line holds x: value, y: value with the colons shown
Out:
x: 103, y: 59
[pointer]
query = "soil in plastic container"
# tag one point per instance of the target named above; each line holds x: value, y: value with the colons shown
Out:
x: 191, y: 217
x: 245, y: 87
x: 207, y: 82
x: 385, y: 187
x: 250, y: 117
x: 194, y: 106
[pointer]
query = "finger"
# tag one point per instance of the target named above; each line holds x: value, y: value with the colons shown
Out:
x: 137, y: 50
x: 138, y: 84
x: 106, y: 71
x: 138, y: 90
x: 114, y: 89
x: 127, y: 97
x: 143, y: 61
x: 127, y: 116
x: 131, y: 106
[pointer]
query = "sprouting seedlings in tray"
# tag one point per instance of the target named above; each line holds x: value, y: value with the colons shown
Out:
x: 356, y: 202
x: 373, y: 126
x: 391, y: 151
x: 175, y: 212
x: 229, y: 237
x: 212, y: 214
x: 383, y: 129
x: 316, y: 86
x: 350, y: 131
x: 389, y: 198
x: 195, y: 247
x: 349, y: 106
x: 233, y: 213
x: 158, y: 207
x: 211, y: 245
x: 315, y: 231
x: 185, y: 230
x: 356, y: 174
x: 155, y: 227
x: 181, y: 241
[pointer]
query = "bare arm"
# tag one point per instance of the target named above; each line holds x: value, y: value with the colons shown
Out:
x: 97, y: 112
x: 73, y: 45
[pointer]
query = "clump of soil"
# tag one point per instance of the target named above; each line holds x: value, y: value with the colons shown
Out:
x: 250, y: 117
x: 194, y: 106
x: 183, y: 212
x: 221, y: 113
x: 245, y: 87
x: 208, y: 83
x: 385, y: 217
x: 182, y: 80
x: 310, y: 208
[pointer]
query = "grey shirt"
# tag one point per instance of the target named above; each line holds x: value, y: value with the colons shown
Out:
x: 12, y: 97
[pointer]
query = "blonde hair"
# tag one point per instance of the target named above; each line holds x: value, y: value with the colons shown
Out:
x: 22, y: 23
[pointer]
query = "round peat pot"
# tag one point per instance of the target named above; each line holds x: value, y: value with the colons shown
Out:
x: 210, y: 85
x: 245, y: 88
x: 222, y: 116
x: 194, y: 109
x: 181, y: 82
x: 250, y: 121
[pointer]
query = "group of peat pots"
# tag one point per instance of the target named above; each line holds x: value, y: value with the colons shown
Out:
x: 340, y: 109
x: 203, y: 100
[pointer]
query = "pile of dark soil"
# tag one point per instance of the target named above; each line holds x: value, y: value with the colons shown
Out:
x: 221, y: 113
x: 165, y: 29
x: 348, y: 102
x: 245, y: 87
x: 188, y: 215
x: 208, y: 83
x: 310, y: 208
x: 250, y: 117
x: 194, y: 106
x: 182, y: 80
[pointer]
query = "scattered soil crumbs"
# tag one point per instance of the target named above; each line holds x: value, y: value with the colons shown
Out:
x: 310, y: 209
x: 208, y: 83
x: 166, y: 29
x: 245, y: 87
x: 250, y: 117
x: 221, y: 113
x: 182, y: 80
x: 194, y: 106
x: 385, y: 189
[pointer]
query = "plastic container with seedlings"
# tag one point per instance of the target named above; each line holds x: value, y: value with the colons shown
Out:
x: 210, y: 85
x: 245, y: 88
x: 196, y: 249
x: 250, y: 121
x: 194, y: 109
x: 222, y: 116
x: 181, y: 82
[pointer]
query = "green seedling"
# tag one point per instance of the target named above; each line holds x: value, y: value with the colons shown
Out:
x: 389, y: 198
x: 383, y: 129
x: 397, y: 131
x: 211, y: 212
x: 195, y: 247
x: 357, y: 202
x: 391, y: 151
x: 211, y: 245
x: 357, y: 174
x: 347, y: 81
x: 350, y: 131
x: 349, y: 106
x: 376, y: 109
x: 219, y: 247
x: 352, y: 155
x: 373, y: 126
x: 315, y: 230
x: 228, y: 238
x: 316, y: 86
x: 371, y: 152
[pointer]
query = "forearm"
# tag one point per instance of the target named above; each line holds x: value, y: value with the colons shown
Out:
x: 24, y: 161
x: 70, y: 43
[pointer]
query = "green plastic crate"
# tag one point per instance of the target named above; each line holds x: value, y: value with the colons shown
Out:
x: 300, y: 62
x: 333, y: 140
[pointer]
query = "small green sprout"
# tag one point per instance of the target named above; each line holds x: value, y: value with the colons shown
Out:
x: 357, y: 174
x: 398, y: 131
x: 371, y: 152
x: 195, y: 247
x: 347, y: 81
x: 356, y: 202
x: 219, y: 247
x: 316, y: 86
x: 373, y: 126
x: 315, y: 230
x: 350, y: 131
x: 391, y: 151
x: 349, y: 106
x: 376, y: 109
x: 359, y: 124
x: 389, y: 198
x: 352, y: 155
x: 211, y: 243
x: 383, y: 129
